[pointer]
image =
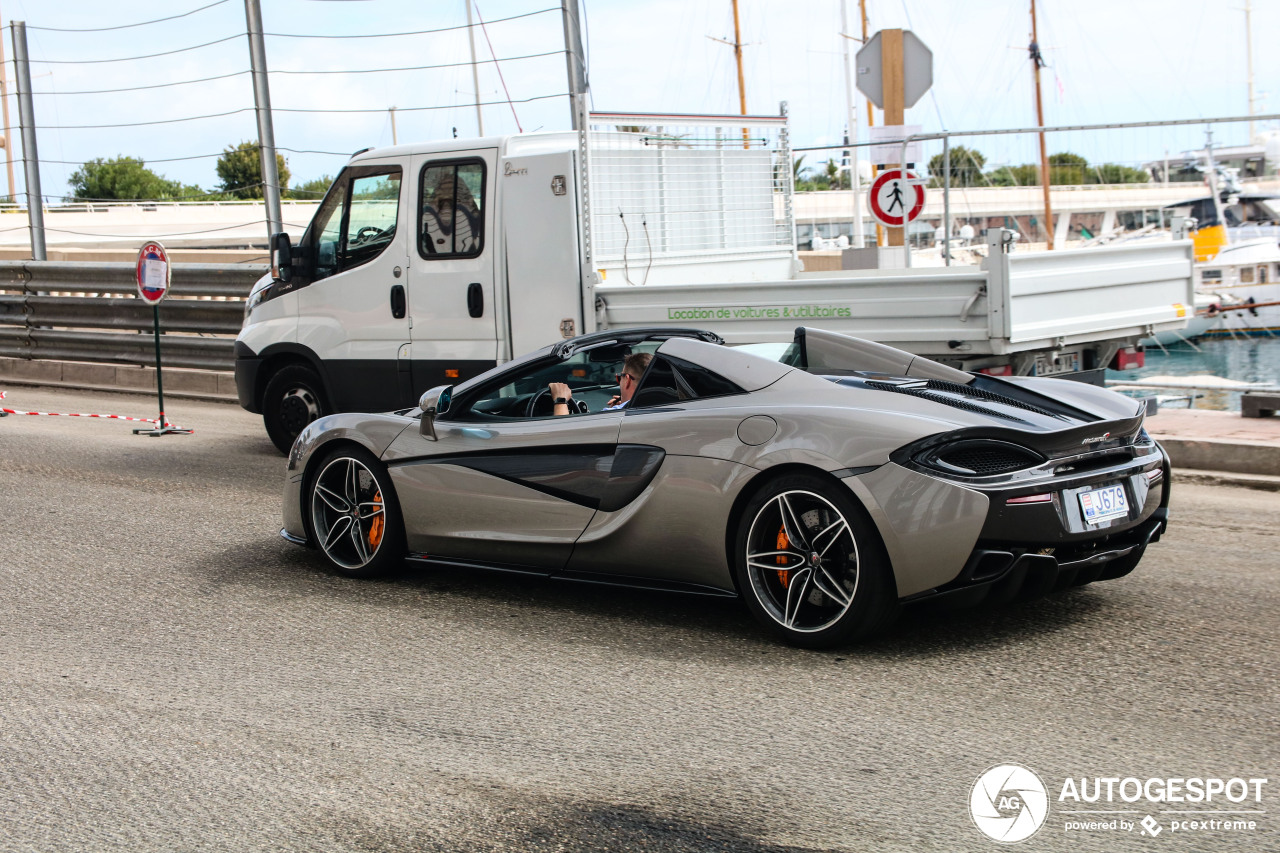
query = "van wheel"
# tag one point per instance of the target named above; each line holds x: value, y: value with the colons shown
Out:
x: 293, y: 399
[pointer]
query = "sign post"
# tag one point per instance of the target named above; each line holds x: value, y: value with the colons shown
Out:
x: 153, y: 277
x: 894, y: 69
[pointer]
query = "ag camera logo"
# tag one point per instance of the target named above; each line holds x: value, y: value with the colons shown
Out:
x: 1008, y: 803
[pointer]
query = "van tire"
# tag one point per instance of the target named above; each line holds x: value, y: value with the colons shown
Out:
x: 294, y: 398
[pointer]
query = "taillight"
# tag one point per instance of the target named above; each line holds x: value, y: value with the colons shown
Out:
x: 1031, y: 499
x: 1129, y: 358
x: 1002, y: 370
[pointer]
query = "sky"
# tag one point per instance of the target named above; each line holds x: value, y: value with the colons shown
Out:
x: 1107, y: 61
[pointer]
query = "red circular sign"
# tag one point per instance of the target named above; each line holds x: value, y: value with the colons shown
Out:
x: 895, y: 198
x: 153, y: 273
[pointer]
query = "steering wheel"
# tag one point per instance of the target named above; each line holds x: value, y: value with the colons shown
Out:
x: 366, y: 234
x: 576, y: 406
x: 532, y: 410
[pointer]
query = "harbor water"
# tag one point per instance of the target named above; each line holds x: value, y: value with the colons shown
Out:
x: 1244, y: 359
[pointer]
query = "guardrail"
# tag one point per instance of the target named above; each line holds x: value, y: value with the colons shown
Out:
x: 84, y: 311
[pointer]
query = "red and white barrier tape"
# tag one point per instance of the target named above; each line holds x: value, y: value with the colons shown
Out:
x: 167, y: 422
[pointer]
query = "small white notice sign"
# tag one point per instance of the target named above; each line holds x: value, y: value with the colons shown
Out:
x: 155, y: 274
x: 888, y: 143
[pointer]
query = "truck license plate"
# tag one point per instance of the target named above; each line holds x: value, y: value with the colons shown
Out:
x: 1064, y: 362
x: 1100, y: 504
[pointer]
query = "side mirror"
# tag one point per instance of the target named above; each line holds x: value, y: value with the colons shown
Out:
x: 281, y: 257
x: 433, y: 403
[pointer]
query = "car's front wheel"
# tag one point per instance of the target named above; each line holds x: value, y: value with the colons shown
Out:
x: 355, y: 517
x: 810, y: 564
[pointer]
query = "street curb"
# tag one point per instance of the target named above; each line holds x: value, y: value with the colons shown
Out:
x: 179, y: 382
x: 1216, y: 454
x: 1198, y: 477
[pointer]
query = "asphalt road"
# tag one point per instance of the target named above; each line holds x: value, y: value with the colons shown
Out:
x: 177, y: 677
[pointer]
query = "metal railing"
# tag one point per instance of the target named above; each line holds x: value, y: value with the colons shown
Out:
x: 83, y: 311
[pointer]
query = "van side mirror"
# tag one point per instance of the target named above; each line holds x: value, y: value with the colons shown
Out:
x: 281, y: 257
x: 433, y: 403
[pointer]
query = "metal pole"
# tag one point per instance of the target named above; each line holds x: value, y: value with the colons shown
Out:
x: 946, y: 198
x: 574, y: 59
x: 4, y: 108
x: 161, y: 424
x: 475, y: 71
x: 855, y: 182
x: 394, y: 140
x: 902, y: 176
x: 30, y: 157
x: 262, y: 104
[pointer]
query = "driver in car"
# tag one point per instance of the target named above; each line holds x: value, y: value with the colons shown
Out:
x: 633, y: 367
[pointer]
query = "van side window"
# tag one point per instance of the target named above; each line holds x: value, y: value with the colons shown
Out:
x: 450, y: 209
x: 356, y: 222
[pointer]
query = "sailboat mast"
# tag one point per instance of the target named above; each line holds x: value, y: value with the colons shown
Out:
x: 871, y: 115
x: 1248, y: 52
x: 1036, y: 62
x: 737, y: 55
x: 850, y: 103
x: 475, y: 73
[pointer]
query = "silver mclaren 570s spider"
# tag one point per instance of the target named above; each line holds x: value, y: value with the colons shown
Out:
x: 826, y: 482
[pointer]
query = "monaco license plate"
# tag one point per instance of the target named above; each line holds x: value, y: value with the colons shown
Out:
x: 1100, y: 504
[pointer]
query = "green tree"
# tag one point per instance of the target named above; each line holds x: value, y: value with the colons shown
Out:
x: 966, y: 167
x: 835, y: 179
x: 123, y: 179
x: 240, y: 169
x: 1025, y: 175
x: 1068, y: 168
x: 1114, y: 173
x: 312, y: 190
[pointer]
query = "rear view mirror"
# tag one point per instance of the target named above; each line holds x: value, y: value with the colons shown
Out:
x: 281, y: 257
x: 433, y: 403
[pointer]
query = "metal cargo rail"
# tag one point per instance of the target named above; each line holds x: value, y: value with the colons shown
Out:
x: 83, y: 311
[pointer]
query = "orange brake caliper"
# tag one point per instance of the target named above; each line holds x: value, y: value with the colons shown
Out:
x: 784, y: 575
x: 376, y: 526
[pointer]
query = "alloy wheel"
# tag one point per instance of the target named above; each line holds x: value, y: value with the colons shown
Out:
x: 348, y: 513
x: 802, y: 561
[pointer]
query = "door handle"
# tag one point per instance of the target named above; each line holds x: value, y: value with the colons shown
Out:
x: 398, y: 305
x: 475, y: 299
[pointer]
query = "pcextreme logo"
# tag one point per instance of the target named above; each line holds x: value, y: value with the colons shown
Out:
x: 1010, y: 803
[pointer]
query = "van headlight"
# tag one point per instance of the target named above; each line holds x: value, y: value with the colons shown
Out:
x: 255, y: 297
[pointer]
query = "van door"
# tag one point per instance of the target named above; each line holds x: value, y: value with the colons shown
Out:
x: 451, y: 279
x: 351, y: 305
x: 540, y: 228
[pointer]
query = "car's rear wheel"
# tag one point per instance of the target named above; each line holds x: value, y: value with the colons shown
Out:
x: 294, y: 397
x: 355, y: 517
x: 810, y: 565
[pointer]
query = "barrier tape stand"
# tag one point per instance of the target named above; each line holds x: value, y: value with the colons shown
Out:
x: 162, y: 426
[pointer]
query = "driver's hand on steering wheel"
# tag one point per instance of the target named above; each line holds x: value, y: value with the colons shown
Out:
x: 561, y: 394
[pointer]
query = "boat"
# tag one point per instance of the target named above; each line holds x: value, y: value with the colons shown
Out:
x: 1236, y: 217
x: 1245, y: 279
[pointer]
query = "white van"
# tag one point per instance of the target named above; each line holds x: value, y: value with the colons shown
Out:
x: 395, y: 286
